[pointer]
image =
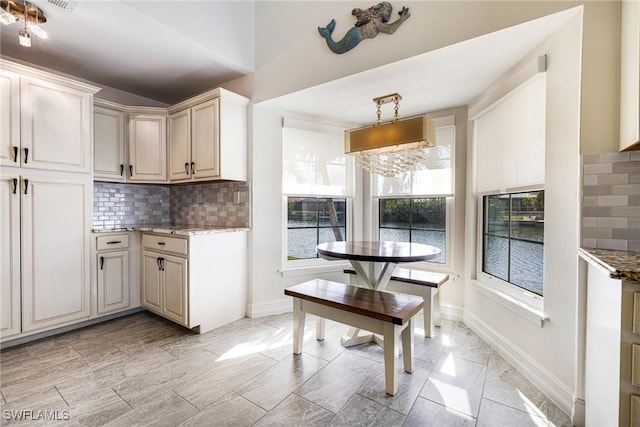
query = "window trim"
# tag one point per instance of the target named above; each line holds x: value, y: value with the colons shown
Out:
x: 519, y: 300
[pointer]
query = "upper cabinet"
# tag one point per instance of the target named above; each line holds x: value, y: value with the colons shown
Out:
x: 147, y: 147
x: 109, y: 143
x: 208, y: 138
x: 630, y: 76
x: 46, y: 120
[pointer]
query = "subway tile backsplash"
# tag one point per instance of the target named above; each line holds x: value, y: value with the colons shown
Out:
x: 611, y: 201
x: 219, y: 204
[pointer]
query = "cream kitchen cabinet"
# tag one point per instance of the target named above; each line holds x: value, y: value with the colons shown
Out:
x: 46, y: 281
x: 147, y: 147
x: 208, y: 138
x: 46, y: 120
x: 164, y: 277
x: 113, y: 282
x: 197, y: 280
x: 109, y: 143
x: 630, y: 75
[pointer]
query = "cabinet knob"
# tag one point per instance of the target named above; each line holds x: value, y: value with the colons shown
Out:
x: 186, y: 168
x: 26, y: 186
x: 130, y: 170
x: 101, y: 263
x: 15, y: 185
x: 193, y: 168
x: 15, y: 154
x: 26, y: 155
x: 121, y: 169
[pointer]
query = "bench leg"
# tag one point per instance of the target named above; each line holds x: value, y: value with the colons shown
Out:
x: 391, y: 333
x: 431, y: 310
x: 407, y: 347
x: 298, y: 326
x: 320, y: 328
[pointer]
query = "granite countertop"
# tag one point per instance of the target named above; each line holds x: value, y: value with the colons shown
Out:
x: 176, y: 230
x: 623, y: 265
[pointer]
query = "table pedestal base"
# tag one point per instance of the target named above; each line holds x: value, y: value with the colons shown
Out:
x: 353, y: 337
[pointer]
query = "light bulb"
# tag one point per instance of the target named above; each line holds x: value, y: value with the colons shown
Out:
x: 25, y: 37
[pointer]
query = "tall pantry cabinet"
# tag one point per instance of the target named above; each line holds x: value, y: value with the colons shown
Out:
x: 46, y: 200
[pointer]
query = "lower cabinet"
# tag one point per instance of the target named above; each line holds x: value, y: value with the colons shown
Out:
x: 196, y: 280
x: 113, y: 273
x: 44, y: 251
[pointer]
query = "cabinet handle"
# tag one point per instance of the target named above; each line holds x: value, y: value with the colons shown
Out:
x: 160, y: 262
x: 15, y: 154
x: 130, y: 170
x: 121, y: 169
x: 186, y: 168
x: 15, y: 185
x: 101, y: 263
x: 114, y: 242
x: 193, y: 168
x: 26, y: 155
x: 161, y: 243
x: 26, y: 186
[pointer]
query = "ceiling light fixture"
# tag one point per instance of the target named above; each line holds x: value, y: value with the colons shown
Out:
x: 394, y: 147
x: 30, y: 14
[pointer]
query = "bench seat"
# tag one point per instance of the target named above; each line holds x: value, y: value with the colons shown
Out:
x: 421, y: 283
x: 379, y: 312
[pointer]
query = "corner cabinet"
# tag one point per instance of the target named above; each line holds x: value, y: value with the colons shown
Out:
x: 630, y: 76
x: 197, y: 280
x: 109, y: 143
x: 208, y: 138
x: 147, y: 148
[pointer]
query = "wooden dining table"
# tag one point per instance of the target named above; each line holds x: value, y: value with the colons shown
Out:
x: 374, y: 263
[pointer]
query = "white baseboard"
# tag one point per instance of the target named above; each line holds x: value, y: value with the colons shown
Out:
x: 269, y: 309
x: 558, y: 392
x: 451, y: 312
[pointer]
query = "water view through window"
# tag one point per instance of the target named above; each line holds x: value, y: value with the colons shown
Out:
x: 419, y: 220
x: 513, y: 239
x: 311, y: 221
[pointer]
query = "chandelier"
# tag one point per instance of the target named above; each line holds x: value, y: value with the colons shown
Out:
x: 391, y: 148
x: 13, y: 11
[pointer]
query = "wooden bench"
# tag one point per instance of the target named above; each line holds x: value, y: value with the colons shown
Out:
x: 421, y: 283
x: 379, y: 312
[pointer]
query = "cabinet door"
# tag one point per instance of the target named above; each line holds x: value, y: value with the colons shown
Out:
x: 113, y: 281
x: 56, y: 223
x: 180, y: 146
x: 9, y: 118
x: 55, y: 126
x: 151, y: 295
x: 147, y: 148
x: 109, y: 144
x: 9, y: 255
x: 175, y: 289
x: 630, y: 75
x: 205, y: 142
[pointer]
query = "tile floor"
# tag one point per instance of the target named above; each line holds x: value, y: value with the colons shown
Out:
x: 144, y: 370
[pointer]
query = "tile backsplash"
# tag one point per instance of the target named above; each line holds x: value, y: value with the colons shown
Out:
x: 220, y: 204
x: 611, y: 201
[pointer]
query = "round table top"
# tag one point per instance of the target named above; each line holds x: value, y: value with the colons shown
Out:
x: 378, y: 251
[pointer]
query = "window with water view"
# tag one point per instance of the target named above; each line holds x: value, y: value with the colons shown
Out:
x: 416, y: 220
x: 313, y: 220
x: 513, y: 239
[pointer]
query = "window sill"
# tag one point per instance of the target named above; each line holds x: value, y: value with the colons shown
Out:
x: 331, y: 267
x: 519, y: 306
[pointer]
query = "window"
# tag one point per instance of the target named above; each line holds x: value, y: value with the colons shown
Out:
x: 416, y: 220
x: 416, y: 206
x: 513, y: 239
x: 313, y: 220
x: 316, y: 187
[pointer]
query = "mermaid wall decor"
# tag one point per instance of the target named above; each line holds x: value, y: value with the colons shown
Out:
x: 369, y: 23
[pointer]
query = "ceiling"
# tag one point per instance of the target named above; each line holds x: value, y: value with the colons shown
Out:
x: 162, y: 50
x: 169, y: 51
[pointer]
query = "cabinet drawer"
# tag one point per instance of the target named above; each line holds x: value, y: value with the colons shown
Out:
x: 112, y: 241
x: 174, y: 245
x: 636, y: 312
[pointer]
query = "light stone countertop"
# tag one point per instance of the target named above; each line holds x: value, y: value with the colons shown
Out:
x: 175, y: 230
x: 623, y: 265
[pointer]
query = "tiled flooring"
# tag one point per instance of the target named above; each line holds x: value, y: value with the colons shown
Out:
x: 144, y: 370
